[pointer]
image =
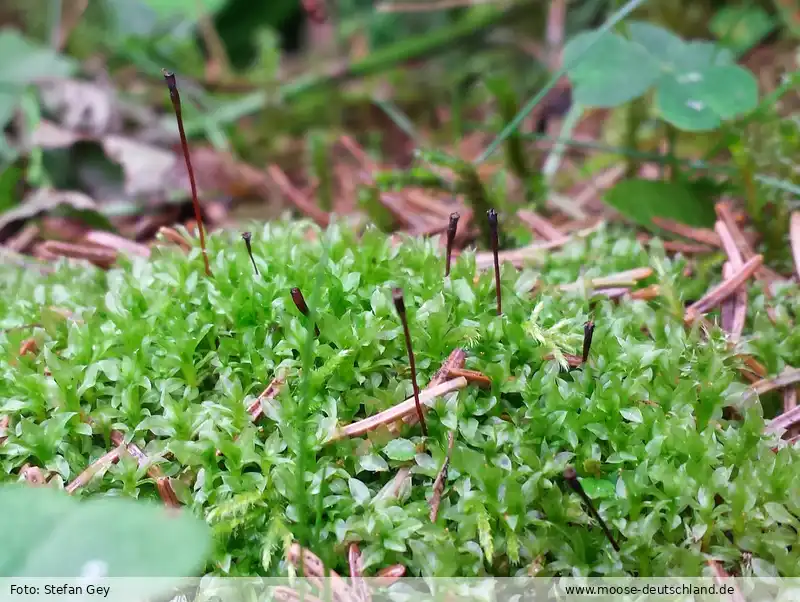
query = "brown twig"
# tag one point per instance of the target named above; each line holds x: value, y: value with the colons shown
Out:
x: 175, y: 237
x: 357, y: 583
x: 117, y: 243
x: 573, y: 361
x: 175, y: 97
x: 724, y: 290
x: 23, y: 239
x: 438, y: 484
x: 729, y: 244
x: 93, y: 469
x: 102, y: 257
x: 701, y: 235
x: 304, y: 205
x: 389, y: 575
x: 473, y: 377
x: 725, y: 214
x: 454, y: 361
x: 314, y: 570
x: 163, y: 484
x: 397, y: 412
x: 678, y: 246
x: 733, y: 310
x: 647, y: 293
x: 256, y: 409
x: 539, y: 225
x: 789, y: 377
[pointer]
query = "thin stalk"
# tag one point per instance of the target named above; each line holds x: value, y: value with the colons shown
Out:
x: 400, y: 305
x: 452, y: 228
x: 491, y: 216
x: 246, y: 236
x: 572, y: 480
x: 175, y: 97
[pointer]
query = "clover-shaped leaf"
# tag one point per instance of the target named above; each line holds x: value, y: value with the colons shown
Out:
x: 615, y: 70
x: 697, y: 84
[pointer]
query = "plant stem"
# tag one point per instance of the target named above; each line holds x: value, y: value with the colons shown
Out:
x: 175, y: 97
x: 491, y: 216
x: 246, y: 236
x: 399, y: 303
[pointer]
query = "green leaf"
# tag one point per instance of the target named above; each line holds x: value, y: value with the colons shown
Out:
x: 464, y: 291
x: 401, y: 450
x: 632, y: 414
x: 701, y: 100
x: 642, y: 200
x: 660, y: 43
x: 372, y: 463
x: 359, y: 491
x: 64, y: 537
x: 614, y: 72
x: 779, y: 513
x: 598, y: 488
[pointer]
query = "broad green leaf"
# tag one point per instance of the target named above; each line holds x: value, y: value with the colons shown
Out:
x: 701, y: 100
x: 642, y: 200
x: 657, y: 41
x: 400, y: 449
x: 65, y: 537
x: 614, y: 72
x: 730, y: 91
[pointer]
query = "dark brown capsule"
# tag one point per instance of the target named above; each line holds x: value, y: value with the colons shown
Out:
x: 300, y: 303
